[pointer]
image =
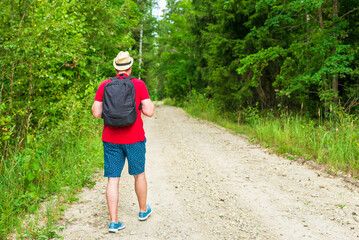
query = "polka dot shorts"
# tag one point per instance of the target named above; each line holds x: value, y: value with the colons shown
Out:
x: 115, y: 156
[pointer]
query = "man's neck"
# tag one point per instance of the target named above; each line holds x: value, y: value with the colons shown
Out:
x: 123, y: 72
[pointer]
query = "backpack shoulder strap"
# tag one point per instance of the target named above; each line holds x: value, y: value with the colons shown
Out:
x: 124, y: 77
x: 114, y: 78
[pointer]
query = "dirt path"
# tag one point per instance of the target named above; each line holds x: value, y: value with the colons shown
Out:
x: 205, y: 183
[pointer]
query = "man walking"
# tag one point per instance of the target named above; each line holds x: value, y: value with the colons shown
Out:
x: 128, y: 142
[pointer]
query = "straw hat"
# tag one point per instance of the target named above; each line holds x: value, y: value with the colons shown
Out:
x: 123, y: 61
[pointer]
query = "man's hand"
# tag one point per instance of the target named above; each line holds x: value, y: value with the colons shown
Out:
x: 148, y: 108
x: 97, y: 109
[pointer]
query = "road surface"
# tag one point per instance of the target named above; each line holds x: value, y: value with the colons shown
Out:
x: 207, y: 183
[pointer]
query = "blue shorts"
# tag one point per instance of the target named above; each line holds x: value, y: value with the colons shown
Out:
x: 116, y: 154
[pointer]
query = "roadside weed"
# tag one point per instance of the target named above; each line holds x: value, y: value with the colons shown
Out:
x: 334, y: 143
x: 61, y: 162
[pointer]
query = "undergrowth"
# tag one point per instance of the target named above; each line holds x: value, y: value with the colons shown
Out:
x: 54, y: 164
x: 333, y: 143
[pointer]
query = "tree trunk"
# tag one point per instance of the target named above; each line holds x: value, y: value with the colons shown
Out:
x: 335, y: 78
x: 307, y: 18
x: 12, y: 81
x: 269, y: 92
x: 140, y: 60
x: 12, y: 12
x: 20, y: 4
x: 262, y: 95
x: 335, y: 82
x: 321, y: 25
x: 320, y: 16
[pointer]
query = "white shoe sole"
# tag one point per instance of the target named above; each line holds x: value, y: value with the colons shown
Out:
x: 116, y: 230
x: 145, y: 218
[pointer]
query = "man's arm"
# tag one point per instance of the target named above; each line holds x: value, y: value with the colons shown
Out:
x: 148, y: 108
x: 97, y: 109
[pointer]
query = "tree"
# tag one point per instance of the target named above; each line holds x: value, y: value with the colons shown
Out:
x: 278, y: 53
x: 50, y: 51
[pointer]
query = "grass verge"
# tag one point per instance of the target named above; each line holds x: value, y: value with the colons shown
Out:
x: 333, y: 143
x: 55, y: 164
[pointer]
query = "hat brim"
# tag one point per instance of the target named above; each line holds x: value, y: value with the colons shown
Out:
x: 123, y: 66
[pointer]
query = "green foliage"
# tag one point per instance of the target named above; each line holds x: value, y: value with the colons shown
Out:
x: 287, y: 53
x: 249, y: 115
x: 50, y: 51
x: 169, y: 102
x: 64, y: 156
x: 175, y: 70
x: 333, y: 143
x: 53, y: 54
x: 200, y: 106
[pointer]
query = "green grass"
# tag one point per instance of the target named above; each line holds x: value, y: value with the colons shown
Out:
x: 54, y: 164
x: 170, y: 102
x: 333, y: 143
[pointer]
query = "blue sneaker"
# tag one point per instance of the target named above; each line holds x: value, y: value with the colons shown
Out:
x: 114, y: 227
x: 142, y: 216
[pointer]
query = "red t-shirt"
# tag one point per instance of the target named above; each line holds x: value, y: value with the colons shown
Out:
x: 129, y: 134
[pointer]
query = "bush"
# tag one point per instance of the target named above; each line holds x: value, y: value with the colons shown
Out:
x: 334, y: 143
x: 59, y: 161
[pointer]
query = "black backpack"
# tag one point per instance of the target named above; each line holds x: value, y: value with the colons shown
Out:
x: 119, y: 104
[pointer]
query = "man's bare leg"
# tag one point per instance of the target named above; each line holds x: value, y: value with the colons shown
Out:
x: 112, y: 198
x: 141, y: 190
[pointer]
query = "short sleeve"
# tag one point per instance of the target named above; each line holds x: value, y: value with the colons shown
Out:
x: 143, y: 91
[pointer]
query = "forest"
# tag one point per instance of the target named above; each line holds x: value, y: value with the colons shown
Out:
x: 291, y: 54
x: 293, y: 64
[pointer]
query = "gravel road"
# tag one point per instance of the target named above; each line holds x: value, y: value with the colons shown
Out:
x: 206, y: 183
